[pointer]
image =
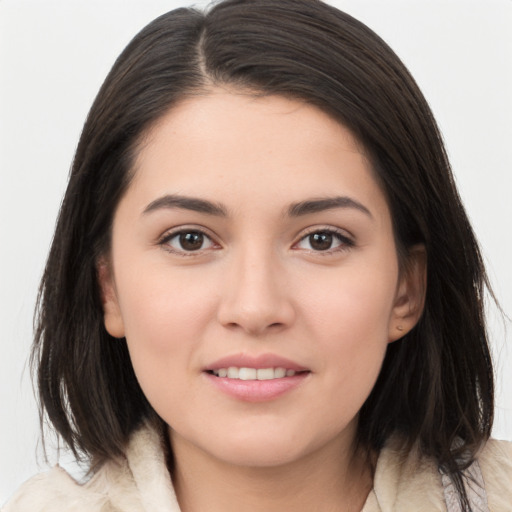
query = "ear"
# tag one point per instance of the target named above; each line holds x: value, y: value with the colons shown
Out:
x: 111, y: 311
x: 410, y: 295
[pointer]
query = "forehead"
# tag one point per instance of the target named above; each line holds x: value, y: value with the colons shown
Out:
x: 231, y: 146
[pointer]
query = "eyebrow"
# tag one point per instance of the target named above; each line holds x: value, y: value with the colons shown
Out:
x: 195, y: 204
x: 328, y: 203
x: 186, y: 203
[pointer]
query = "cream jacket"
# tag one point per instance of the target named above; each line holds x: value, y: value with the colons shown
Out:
x: 140, y: 483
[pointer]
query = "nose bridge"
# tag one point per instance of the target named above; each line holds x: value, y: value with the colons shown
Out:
x: 254, y: 297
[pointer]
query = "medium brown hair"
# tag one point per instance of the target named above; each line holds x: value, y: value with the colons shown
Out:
x: 436, y: 384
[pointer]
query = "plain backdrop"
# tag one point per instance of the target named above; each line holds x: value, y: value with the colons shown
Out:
x: 54, y: 56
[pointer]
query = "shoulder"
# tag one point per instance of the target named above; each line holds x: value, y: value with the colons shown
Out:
x: 51, y: 491
x: 495, y: 460
x: 111, y: 489
x: 405, y: 480
x: 139, y: 481
x: 496, y: 457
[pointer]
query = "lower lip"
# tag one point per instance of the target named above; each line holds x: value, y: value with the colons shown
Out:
x: 256, y: 390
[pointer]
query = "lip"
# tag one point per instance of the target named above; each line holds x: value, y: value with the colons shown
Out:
x: 256, y: 390
x: 260, y: 361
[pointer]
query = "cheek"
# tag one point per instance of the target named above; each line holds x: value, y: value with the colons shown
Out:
x: 354, y: 305
x: 165, y: 316
x: 163, y: 331
x: 349, y: 318
x: 161, y: 305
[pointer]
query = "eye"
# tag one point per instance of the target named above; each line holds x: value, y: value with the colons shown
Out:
x: 188, y: 241
x: 323, y: 241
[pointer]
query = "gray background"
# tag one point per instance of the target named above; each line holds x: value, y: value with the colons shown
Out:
x: 55, y: 54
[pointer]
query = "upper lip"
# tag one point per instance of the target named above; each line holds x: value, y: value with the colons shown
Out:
x: 258, y: 361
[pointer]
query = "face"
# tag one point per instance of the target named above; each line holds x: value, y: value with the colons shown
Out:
x: 254, y: 274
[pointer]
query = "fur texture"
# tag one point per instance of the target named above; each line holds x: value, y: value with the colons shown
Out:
x: 404, y: 482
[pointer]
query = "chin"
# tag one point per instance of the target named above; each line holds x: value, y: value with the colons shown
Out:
x: 262, y: 440
x: 265, y: 447
x: 260, y: 454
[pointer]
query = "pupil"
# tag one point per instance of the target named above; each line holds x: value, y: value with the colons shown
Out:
x: 191, y: 241
x: 320, y: 241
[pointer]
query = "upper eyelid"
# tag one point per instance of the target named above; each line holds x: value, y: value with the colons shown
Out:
x: 322, y: 229
x: 172, y: 232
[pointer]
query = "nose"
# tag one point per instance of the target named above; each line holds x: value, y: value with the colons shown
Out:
x: 255, y: 297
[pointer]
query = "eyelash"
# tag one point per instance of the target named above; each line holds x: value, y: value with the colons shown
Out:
x: 345, y: 242
x: 165, y: 240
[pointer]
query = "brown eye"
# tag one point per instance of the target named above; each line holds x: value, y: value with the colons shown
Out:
x: 323, y: 241
x: 320, y: 241
x: 189, y: 241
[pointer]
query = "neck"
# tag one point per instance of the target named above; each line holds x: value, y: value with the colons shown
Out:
x: 333, y: 478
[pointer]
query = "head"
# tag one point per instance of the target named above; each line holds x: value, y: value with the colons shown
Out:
x: 435, y: 383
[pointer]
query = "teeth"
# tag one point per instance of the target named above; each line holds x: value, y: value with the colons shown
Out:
x: 253, y: 374
x: 279, y: 373
x: 265, y: 373
x: 232, y: 372
x: 247, y: 373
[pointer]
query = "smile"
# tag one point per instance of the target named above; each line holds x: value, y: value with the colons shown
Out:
x: 256, y: 378
x: 245, y: 373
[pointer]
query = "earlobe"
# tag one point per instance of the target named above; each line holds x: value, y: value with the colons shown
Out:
x: 410, y: 296
x: 111, y: 312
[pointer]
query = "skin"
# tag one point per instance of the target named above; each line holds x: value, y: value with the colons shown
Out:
x: 258, y: 284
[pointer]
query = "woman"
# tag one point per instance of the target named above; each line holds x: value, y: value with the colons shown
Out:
x: 263, y: 290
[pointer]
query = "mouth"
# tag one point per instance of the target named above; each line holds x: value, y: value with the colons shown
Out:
x: 256, y: 378
x: 247, y: 373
